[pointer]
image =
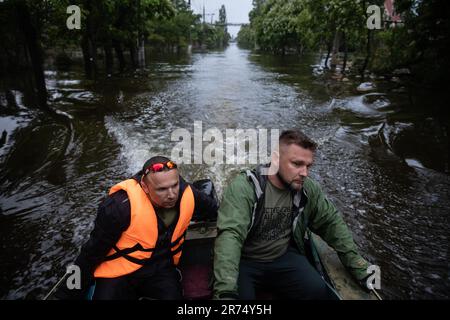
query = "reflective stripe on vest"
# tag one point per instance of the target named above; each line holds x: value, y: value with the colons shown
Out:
x: 143, y: 230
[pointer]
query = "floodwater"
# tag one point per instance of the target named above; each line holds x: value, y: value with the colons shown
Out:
x: 383, y: 157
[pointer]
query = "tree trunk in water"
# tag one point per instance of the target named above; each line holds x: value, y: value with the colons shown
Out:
x: 369, y: 33
x: 141, y: 52
x: 133, y: 55
x: 336, y: 45
x: 88, y: 69
x: 34, y: 53
x: 90, y: 56
x: 119, y: 54
x: 89, y: 48
x: 329, y: 46
x: 344, y: 65
x: 10, y: 100
x: 93, y: 50
x: 300, y: 49
x: 109, y: 60
x: 366, y: 61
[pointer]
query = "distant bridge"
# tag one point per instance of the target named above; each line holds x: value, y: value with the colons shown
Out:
x: 237, y: 24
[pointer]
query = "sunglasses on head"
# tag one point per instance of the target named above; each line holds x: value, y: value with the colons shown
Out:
x: 159, y: 166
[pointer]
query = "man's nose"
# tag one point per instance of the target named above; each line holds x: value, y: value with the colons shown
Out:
x: 171, y: 193
x: 303, y: 171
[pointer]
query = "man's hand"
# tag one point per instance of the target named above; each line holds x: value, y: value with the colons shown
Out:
x: 367, y: 287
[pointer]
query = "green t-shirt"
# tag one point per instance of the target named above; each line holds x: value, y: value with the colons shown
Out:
x: 271, y: 237
x: 166, y: 215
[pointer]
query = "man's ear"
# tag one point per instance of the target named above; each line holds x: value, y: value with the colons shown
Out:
x: 276, y: 157
x: 144, y: 185
x: 275, y: 162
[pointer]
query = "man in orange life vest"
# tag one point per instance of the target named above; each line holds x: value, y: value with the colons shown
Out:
x: 138, y: 236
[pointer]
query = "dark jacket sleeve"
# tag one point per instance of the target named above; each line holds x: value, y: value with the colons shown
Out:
x: 113, y: 218
x: 206, y: 202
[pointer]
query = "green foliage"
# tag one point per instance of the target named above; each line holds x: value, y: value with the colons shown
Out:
x: 186, y: 27
x: 164, y: 23
x: 173, y: 31
x: 281, y: 25
x: 246, y: 37
x: 305, y: 23
x: 222, y: 15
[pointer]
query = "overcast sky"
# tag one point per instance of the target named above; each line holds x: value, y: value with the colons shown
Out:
x: 237, y: 10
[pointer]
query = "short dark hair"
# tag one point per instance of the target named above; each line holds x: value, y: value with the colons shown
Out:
x: 297, y: 137
x: 153, y: 160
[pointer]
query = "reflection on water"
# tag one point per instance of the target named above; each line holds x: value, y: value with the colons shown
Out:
x: 383, y: 158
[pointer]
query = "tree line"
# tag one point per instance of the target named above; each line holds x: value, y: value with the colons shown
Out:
x: 339, y: 29
x: 112, y: 29
x: 112, y: 38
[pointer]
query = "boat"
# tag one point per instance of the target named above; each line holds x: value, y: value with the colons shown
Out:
x: 200, y: 244
x: 338, y: 276
x: 196, y: 267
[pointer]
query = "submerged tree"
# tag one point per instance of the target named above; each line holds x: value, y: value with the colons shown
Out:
x: 223, y: 37
x: 22, y: 45
x: 339, y: 27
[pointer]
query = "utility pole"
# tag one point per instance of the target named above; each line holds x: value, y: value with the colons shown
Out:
x: 207, y: 14
x: 190, y: 32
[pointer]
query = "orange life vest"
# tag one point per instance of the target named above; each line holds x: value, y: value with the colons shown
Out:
x: 138, y: 242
